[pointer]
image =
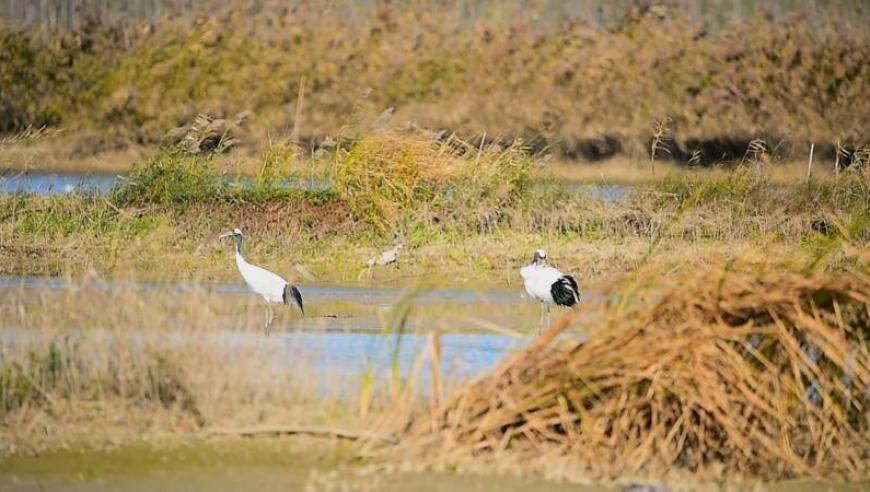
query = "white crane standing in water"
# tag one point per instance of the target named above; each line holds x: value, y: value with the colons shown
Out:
x: 272, y: 287
x: 548, y: 285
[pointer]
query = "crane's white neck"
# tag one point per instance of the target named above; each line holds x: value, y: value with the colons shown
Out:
x: 240, y: 260
x: 238, y: 240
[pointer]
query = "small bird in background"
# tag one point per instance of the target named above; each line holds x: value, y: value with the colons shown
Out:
x: 382, y: 120
x: 272, y: 287
x: 387, y: 257
x: 548, y: 285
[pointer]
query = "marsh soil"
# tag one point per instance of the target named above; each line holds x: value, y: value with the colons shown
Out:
x: 267, y: 464
x: 236, y: 464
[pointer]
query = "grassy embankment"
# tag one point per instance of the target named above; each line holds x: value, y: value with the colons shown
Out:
x: 577, y: 90
x: 464, y: 213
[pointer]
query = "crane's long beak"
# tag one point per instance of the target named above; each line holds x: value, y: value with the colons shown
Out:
x: 225, y: 235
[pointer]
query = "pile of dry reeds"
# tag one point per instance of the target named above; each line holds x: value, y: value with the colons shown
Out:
x: 722, y: 374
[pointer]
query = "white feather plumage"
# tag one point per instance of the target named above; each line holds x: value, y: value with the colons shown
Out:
x: 538, y: 280
x: 270, y: 286
x: 261, y: 281
x: 542, y: 281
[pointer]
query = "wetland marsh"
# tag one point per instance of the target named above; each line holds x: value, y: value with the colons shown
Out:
x: 706, y: 181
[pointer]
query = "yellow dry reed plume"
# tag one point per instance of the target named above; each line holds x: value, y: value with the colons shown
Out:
x: 30, y: 134
x: 724, y: 373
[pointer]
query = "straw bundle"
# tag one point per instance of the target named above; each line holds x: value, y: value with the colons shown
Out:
x: 722, y: 374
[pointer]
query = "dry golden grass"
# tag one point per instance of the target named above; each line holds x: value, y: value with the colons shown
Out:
x: 96, y: 367
x: 97, y: 364
x: 721, y: 374
x: 389, y: 177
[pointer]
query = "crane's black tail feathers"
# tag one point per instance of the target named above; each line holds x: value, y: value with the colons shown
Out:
x: 291, y: 292
x: 565, y: 291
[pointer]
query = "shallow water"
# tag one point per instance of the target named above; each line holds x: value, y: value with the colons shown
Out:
x: 46, y: 183
x: 346, y: 331
x: 607, y: 193
x: 222, y: 319
x: 328, y: 307
x: 54, y: 183
x: 339, y: 359
x: 61, y: 183
x: 319, y: 293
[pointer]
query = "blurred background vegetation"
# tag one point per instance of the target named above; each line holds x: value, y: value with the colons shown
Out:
x: 586, y: 80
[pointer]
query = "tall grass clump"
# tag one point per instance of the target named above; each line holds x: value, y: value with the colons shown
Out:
x: 718, y: 373
x: 724, y: 205
x: 177, y: 179
x: 390, y: 179
x: 749, y: 188
x: 49, y: 217
x: 93, y: 360
x: 744, y: 203
x: 854, y: 186
x: 170, y: 178
x: 68, y: 367
x: 738, y: 185
x: 277, y: 159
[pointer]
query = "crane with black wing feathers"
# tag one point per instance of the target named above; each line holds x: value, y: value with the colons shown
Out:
x: 270, y: 286
x: 548, y: 285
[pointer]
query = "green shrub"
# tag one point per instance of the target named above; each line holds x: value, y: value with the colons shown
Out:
x: 171, y: 178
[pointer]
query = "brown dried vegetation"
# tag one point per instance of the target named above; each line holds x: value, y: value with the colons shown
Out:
x: 724, y: 374
x: 580, y: 89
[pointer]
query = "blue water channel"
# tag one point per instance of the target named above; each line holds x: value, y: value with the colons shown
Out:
x: 100, y: 184
x: 49, y: 184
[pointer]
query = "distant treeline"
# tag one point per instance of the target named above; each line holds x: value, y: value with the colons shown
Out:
x: 71, y: 14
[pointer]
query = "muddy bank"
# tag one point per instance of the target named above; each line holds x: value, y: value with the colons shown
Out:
x: 280, y: 464
x: 237, y: 464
